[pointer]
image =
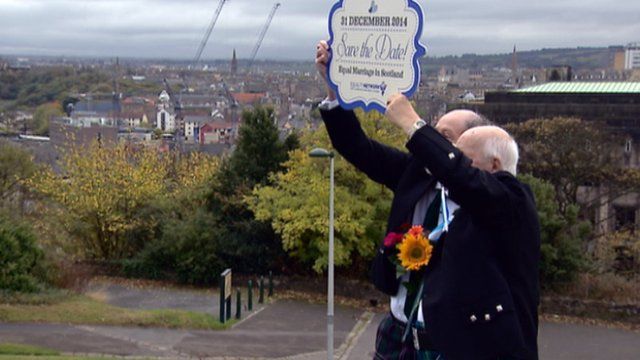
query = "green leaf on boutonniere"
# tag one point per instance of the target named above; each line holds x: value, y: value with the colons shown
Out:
x: 400, y: 270
x: 412, y: 288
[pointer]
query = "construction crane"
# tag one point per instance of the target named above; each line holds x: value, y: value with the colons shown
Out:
x: 177, y: 104
x: 227, y: 93
x: 233, y: 103
x: 205, y: 39
x: 263, y: 33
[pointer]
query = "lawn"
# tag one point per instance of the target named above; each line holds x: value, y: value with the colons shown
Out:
x: 54, y: 357
x: 78, y: 309
x: 28, y: 352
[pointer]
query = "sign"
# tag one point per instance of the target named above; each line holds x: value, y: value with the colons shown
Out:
x: 227, y: 283
x: 375, y: 50
x: 225, y: 295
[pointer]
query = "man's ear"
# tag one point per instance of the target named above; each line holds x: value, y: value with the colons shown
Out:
x: 496, y: 165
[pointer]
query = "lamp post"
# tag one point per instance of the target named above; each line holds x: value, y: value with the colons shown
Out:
x: 323, y: 153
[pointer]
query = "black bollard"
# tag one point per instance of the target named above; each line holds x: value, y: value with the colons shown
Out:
x: 270, y: 283
x: 238, y: 304
x: 261, y: 298
x: 250, y: 296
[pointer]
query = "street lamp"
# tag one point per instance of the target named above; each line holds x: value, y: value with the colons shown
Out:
x: 323, y: 153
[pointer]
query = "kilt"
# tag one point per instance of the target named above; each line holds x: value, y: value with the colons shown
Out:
x: 389, y: 344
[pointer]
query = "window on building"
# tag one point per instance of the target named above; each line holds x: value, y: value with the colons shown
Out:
x: 625, y: 217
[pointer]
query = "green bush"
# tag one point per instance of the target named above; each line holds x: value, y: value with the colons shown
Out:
x: 212, y: 230
x: 188, y: 251
x: 20, y: 257
x: 562, y: 235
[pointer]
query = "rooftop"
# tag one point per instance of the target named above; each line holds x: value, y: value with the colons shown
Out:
x: 584, y: 87
x: 248, y: 98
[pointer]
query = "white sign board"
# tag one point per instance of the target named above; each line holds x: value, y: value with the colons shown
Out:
x: 375, y: 49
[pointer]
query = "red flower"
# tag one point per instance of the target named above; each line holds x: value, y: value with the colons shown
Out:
x: 392, y: 239
x: 416, y: 230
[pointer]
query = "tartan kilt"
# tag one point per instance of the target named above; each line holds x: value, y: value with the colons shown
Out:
x: 389, y: 344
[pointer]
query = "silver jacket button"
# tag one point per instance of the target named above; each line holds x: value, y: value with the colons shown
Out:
x: 473, y: 318
x: 499, y: 308
x: 487, y: 317
x: 452, y: 156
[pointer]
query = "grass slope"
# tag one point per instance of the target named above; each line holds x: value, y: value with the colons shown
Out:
x: 76, y: 309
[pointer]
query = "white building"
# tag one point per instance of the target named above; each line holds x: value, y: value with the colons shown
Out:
x: 632, y: 56
x: 165, y: 119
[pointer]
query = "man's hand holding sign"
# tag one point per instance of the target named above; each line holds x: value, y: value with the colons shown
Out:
x: 375, y: 49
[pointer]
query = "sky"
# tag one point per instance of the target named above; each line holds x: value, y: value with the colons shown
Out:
x: 174, y: 28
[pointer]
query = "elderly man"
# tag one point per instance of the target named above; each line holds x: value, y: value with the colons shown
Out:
x: 414, y: 194
x: 481, y: 287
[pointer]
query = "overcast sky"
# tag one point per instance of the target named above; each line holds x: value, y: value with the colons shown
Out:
x: 174, y: 28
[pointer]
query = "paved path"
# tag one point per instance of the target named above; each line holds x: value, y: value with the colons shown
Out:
x: 294, y: 331
x: 556, y: 341
x: 148, y: 298
x: 291, y: 330
x: 282, y: 329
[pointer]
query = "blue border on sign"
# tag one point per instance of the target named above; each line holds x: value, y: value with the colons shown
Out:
x: 420, y: 51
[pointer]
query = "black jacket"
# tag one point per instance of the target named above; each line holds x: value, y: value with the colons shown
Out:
x: 481, y: 285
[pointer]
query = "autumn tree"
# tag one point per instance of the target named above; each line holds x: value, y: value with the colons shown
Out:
x: 296, y: 201
x: 39, y: 125
x: 16, y: 166
x: 568, y: 153
x: 102, y: 194
x: 212, y: 228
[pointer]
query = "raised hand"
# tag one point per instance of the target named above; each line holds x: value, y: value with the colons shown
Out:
x: 401, y: 113
x: 323, y: 54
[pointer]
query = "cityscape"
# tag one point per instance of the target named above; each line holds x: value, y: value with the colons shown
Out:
x: 161, y: 200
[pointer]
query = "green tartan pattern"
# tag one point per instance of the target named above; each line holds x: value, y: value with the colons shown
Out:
x: 389, y: 344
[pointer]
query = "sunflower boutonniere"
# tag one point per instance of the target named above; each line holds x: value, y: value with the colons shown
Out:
x: 412, y: 250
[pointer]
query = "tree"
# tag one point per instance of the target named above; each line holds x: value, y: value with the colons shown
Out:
x: 106, y: 196
x: 16, y: 166
x: 259, y: 150
x: 568, y: 153
x: 562, y: 235
x: 99, y: 192
x: 251, y: 245
x: 296, y: 203
x: 20, y: 258
x: 42, y: 116
x: 210, y: 227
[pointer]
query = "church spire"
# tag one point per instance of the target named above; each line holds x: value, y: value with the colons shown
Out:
x: 234, y: 63
x: 514, y: 67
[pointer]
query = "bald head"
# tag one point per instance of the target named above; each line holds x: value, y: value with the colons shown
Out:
x: 490, y: 148
x: 452, y: 124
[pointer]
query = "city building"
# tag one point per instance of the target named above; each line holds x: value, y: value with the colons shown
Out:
x: 618, y: 58
x: 192, y: 125
x: 165, y: 118
x: 617, y: 103
x: 216, y: 133
x: 632, y: 56
x: 614, y: 104
x: 66, y: 132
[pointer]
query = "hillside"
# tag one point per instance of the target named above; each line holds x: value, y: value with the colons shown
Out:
x: 578, y: 58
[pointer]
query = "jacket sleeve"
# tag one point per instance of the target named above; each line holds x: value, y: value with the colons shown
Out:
x: 383, y: 273
x: 381, y: 163
x: 488, y: 197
